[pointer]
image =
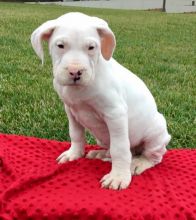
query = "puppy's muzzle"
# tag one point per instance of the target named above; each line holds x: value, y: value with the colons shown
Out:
x: 75, y: 71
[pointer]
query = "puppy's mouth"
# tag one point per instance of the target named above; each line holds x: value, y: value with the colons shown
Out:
x: 76, y: 79
x: 79, y: 81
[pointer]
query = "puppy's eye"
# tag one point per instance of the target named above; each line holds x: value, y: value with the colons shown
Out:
x: 61, y: 46
x: 91, y: 48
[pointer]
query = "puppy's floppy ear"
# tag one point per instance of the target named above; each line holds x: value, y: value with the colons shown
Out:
x: 108, y: 41
x: 43, y: 32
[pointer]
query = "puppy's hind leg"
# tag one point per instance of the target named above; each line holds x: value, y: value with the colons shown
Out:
x: 147, y: 160
x: 99, y: 154
x: 149, y: 157
x: 139, y: 164
x: 154, y: 146
x: 103, y: 154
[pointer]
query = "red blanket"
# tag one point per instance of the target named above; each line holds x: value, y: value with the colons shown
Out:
x: 34, y: 187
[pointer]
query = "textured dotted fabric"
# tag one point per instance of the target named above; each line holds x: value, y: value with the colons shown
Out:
x: 34, y: 187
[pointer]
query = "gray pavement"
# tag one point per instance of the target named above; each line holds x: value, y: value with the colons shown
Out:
x: 172, y: 6
x: 117, y: 4
x: 180, y: 6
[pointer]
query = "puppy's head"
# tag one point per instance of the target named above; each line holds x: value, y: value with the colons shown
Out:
x: 76, y: 42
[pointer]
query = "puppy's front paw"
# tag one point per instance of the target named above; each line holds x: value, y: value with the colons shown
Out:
x: 69, y: 155
x: 116, y: 181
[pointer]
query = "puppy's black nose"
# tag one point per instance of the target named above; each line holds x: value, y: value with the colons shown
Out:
x: 76, y: 74
x: 79, y: 73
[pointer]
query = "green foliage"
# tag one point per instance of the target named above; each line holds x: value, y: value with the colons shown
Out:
x: 159, y: 47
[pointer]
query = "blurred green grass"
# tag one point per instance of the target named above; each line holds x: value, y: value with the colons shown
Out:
x: 160, y: 48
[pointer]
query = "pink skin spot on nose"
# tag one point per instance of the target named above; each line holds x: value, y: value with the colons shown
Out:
x: 74, y: 68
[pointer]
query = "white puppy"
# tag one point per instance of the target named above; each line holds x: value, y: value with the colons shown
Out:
x: 102, y: 96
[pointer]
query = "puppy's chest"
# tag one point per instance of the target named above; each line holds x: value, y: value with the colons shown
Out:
x: 86, y: 116
x: 89, y: 118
